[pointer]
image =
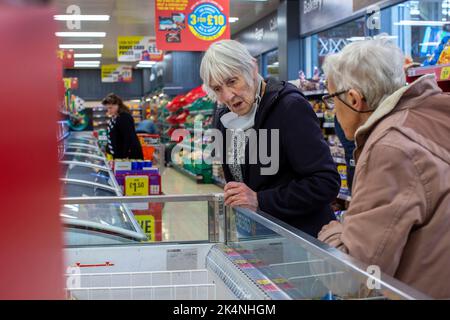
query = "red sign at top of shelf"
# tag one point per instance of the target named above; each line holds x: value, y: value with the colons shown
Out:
x: 190, y: 25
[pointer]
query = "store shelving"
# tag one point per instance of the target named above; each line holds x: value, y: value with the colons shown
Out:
x: 442, y: 73
x: 99, y: 117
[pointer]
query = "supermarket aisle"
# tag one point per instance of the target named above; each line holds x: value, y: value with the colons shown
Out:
x: 174, y: 182
x: 186, y: 221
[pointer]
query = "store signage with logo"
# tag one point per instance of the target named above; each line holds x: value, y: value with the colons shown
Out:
x: 190, y: 25
x: 316, y: 15
x: 117, y: 73
x: 312, y: 5
x: 262, y: 36
x: 137, y: 48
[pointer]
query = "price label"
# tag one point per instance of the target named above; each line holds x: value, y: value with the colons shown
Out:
x: 445, y: 73
x: 147, y: 223
x: 207, y: 22
x: 136, y: 186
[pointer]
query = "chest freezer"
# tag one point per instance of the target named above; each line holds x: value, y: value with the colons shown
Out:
x: 245, y: 255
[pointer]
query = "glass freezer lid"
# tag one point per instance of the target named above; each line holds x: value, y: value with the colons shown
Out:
x: 84, y: 158
x: 73, y: 149
x: 85, y: 173
x: 99, y: 224
x: 112, y: 215
x: 86, y: 189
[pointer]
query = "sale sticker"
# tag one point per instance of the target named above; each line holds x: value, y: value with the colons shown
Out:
x: 147, y: 223
x: 445, y: 73
x: 136, y: 186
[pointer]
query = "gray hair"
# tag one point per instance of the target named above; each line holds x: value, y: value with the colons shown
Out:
x: 223, y: 60
x: 372, y: 67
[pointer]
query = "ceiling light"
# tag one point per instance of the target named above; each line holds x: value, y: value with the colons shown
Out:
x: 147, y: 62
x: 431, y: 44
x: 81, y: 46
x: 144, y: 66
x: 233, y: 19
x: 87, y: 55
x: 88, y: 62
x: 420, y: 23
x: 81, y: 34
x: 87, y: 66
x: 81, y: 17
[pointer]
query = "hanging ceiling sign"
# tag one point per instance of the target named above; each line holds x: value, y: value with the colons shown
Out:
x: 117, y: 73
x: 137, y: 48
x: 191, y: 25
x: 67, y: 57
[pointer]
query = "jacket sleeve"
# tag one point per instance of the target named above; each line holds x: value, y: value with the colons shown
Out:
x: 125, y: 125
x: 388, y: 202
x: 315, y: 182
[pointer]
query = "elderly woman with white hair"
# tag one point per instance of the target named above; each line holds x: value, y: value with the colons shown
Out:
x: 299, y: 191
x: 399, y: 217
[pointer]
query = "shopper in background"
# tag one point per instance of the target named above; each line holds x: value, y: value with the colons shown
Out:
x: 399, y: 217
x: 307, y: 181
x: 123, y: 142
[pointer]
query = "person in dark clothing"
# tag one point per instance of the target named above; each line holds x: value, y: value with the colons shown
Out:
x: 123, y: 142
x: 305, y: 182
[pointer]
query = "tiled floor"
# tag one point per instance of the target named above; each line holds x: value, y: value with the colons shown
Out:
x: 186, y: 221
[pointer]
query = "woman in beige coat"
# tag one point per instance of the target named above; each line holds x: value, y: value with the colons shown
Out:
x: 399, y: 217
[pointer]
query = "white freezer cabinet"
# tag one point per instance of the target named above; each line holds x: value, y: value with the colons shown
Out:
x: 246, y: 255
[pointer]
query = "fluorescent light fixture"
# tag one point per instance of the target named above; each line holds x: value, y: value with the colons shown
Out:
x: 420, y: 23
x: 88, y: 62
x: 81, y: 46
x: 431, y: 44
x: 144, y: 66
x: 233, y: 19
x: 354, y: 39
x: 148, y: 99
x: 81, y: 17
x: 147, y: 62
x: 81, y: 34
x: 87, y: 66
x: 87, y: 55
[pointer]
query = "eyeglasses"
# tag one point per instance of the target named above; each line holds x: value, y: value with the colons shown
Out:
x: 329, y: 101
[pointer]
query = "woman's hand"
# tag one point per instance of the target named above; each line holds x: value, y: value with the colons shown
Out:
x: 239, y: 195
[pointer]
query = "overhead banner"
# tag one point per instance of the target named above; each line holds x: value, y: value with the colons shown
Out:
x: 117, y: 73
x: 137, y: 48
x: 190, y: 25
x: 67, y: 57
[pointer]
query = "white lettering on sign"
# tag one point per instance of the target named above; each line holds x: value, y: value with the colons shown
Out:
x: 312, y: 5
x: 259, y: 34
x: 73, y: 24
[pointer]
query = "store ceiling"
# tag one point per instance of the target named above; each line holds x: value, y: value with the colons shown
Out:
x: 136, y: 17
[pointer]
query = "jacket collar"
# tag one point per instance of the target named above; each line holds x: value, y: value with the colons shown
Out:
x: 405, y: 98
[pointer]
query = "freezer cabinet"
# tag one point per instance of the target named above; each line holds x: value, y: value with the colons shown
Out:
x: 246, y: 255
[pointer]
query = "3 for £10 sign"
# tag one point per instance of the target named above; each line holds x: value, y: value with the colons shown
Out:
x: 191, y: 25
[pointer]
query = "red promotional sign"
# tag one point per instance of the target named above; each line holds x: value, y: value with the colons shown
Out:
x: 191, y: 25
x: 157, y: 56
x: 67, y: 57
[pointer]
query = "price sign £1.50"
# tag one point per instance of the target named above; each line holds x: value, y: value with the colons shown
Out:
x: 136, y: 186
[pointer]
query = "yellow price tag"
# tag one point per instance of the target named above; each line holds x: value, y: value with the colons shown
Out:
x: 445, y: 73
x: 136, y: 186
x: 147, y: 224
x: 263, y: 282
